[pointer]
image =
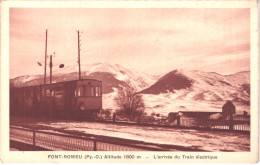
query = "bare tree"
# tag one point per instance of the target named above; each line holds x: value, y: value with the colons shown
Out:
x: 129, y: 101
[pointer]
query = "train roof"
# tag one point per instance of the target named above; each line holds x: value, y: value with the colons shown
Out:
x: 60, y: 82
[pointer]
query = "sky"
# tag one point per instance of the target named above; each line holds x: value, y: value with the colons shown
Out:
x: 150, y: 40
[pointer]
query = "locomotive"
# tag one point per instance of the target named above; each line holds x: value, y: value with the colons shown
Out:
x: 77, y: 99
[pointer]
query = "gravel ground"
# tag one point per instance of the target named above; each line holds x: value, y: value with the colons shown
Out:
x: 199, y: 139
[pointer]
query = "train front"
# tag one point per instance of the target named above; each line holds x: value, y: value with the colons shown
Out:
x: 89, y: 98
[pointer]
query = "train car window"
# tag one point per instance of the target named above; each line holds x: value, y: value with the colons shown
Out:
x: 48, y: 92
x: 100, y: 92
x: 80, y: 91
x: 92, y: 89
x: 75, y: 93
x: 97, y: 92
x: 58, y: 92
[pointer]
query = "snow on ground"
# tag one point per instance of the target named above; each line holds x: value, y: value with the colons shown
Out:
x: 212, y: 141
x: 108, y: 100
x: 181, y: 100
x: 169, y: 102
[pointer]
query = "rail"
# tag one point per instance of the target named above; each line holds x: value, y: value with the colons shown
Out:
x: 64, y: 142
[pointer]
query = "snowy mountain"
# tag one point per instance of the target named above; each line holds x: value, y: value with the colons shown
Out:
x: 26, y: 80
x: 178, y: 90
x: 182, y: 90
x: 138, y: 79
x: 239, y: 77
x: 112, y: 76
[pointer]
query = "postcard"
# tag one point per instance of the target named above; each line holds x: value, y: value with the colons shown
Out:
x: 129, y: 81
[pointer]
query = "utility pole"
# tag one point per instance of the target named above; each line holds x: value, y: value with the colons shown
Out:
x: 51, y: 69
x: 51, y: 85
x: 45, y: 64
x: 79, y: 55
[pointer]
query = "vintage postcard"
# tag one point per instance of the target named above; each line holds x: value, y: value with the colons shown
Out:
x: 129, y: 81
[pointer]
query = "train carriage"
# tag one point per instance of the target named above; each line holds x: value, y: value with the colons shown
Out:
x: 70, y: 99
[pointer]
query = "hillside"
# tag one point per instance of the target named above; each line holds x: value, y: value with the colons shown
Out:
x: 169, y: 83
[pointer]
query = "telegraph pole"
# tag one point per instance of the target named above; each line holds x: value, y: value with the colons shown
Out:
x: 51, y: 69
x: 45, y: 64
x: 51, y: 85
x: 79, y: 55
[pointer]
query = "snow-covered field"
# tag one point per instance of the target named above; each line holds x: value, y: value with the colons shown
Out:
x: 206, y: 140
x: 167, y: 102
x: 181, y: 100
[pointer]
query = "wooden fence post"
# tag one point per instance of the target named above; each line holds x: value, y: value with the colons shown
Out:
x: 231, y: 122
x: 95, y: 145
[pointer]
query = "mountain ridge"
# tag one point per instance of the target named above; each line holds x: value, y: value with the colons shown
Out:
x: 108, y: 73
x: 176, y: 90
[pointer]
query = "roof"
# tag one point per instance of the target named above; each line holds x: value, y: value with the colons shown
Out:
x: 228, y: 104
x: 197, y: 113
x: 60, y: 82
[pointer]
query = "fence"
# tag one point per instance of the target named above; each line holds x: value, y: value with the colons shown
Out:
x: 239, y: 123
x: 63, y: 142
x: 211, y: 124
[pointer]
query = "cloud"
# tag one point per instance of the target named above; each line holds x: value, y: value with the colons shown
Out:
x: 159, y: 38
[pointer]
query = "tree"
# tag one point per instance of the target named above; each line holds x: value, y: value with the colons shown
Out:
x: 129, y: 101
